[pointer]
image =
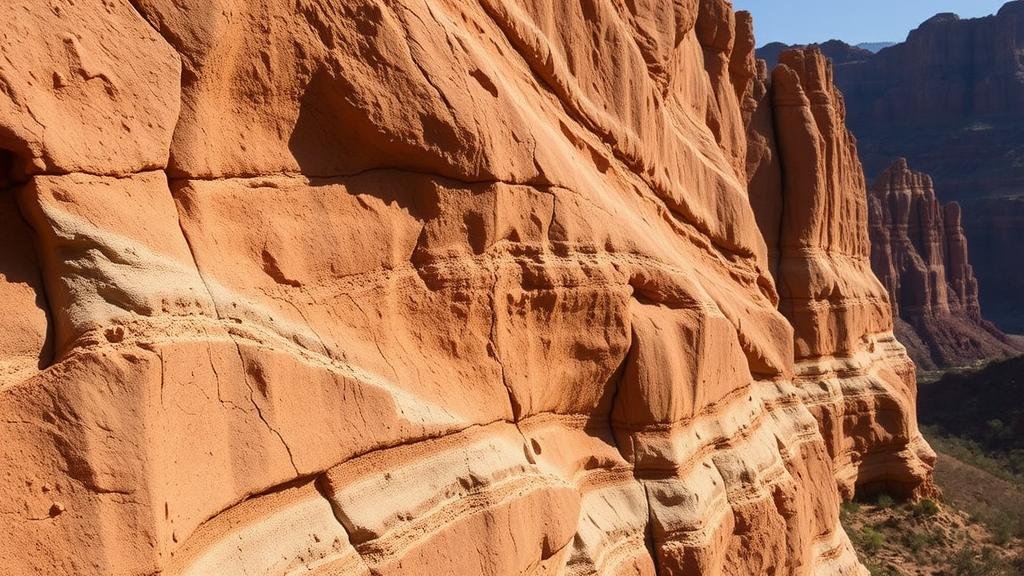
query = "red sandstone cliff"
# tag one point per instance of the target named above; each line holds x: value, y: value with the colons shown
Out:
x: 920, y: 253
x: 809, y: 194
x: 432, y: 287
x: 948, y: 68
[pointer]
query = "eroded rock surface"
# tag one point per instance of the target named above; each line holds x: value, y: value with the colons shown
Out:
x: 435, y: 287
x: 810, y: 197
x: 919, y: 251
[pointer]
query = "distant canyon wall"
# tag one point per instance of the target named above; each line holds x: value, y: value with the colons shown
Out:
x: 920, y: 253
x: 950, y: 99
x: 432, y: 287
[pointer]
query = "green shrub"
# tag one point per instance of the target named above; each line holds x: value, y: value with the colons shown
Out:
x: 919, y: 543
x: 885, y: 501
x: 926, y: 507
x: 846, y: 512
x: 851, y: 507
x: 1007, y: 464
x: 971, y: 562
x: 1003, y: 530
x: 915, y: 541
x: 870, y: 540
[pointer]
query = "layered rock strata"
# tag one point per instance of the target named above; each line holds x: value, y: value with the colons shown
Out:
x: 431, y: 287
x: 808, y: 191
x: 919, y: 251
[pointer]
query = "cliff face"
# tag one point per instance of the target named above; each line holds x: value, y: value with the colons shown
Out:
x: 809, y: 194
x: 920, y: 254
x: 950, y: 99
x: 433, y: 288
x: 947, y: 69
x: 996, y: 228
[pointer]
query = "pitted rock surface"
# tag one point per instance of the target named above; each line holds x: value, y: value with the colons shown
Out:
x: 433, y: 287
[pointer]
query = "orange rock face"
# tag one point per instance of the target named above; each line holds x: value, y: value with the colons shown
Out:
x: 810, y: 196
x: 433, y: 287
x: 949, y: 99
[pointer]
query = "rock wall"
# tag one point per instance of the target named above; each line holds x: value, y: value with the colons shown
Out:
x: 919, y: 251
x: 432, y: 287
x: 950, y: 100
x: 948, y: 68
x: 809, y: 193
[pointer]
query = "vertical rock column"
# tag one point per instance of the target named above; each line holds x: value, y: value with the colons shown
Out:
x: 856, y: 377
x: 920, y: 253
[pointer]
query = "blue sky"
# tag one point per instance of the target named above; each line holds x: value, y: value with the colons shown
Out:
x: 854, y: 21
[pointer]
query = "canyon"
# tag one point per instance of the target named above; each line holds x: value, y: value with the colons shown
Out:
x: 434, y: 287
x: 949, y: 99
x: 920, y: 253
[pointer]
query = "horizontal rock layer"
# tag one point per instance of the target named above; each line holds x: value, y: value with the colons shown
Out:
x: 434, y: 287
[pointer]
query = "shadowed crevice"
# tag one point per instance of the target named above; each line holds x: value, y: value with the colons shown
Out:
x: 7, y: 160
x: 20, y: 259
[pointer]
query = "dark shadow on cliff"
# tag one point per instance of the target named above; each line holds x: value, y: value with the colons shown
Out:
x: 323, y: 136
x: 334, y: 135
x: 7, y: 160
x: 19, y: 263
x: 335, y: 142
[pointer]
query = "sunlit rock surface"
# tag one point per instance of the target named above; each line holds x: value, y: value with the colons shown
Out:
x: 433, y: 287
